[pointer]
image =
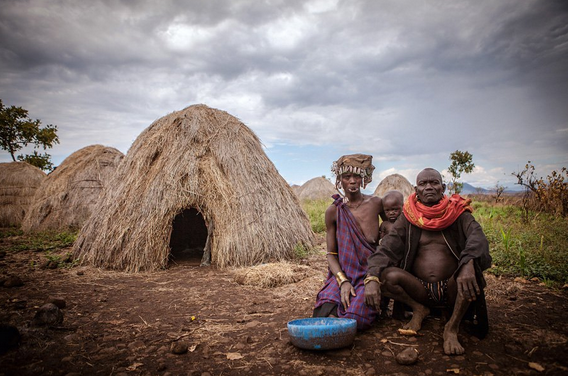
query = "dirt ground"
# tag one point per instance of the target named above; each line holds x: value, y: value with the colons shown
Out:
x: 126, y: 324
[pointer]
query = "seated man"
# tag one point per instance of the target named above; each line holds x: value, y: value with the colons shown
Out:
x: 392, y: 205
x: 434, y: 257
x: 352, y: 231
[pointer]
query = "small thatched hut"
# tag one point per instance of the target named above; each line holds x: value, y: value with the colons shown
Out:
x: 69, y: 194
x: 18, y: 184
x: 317, y: 189
x: 296, y: 189
x: 394, y: 182
x: 194, y: 179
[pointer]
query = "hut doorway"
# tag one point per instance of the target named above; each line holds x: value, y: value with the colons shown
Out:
x: 189, y: 236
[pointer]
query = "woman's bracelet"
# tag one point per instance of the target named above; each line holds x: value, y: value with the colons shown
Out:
x: 341, y: 278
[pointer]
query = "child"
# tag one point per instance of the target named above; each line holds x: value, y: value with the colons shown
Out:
x: 392, y: 205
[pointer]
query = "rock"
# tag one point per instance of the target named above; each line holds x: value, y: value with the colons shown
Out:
x: 9, y: 337
x: 13, y: 281
x: 161, y: 367
x: 407, y: 356
x: 59, y: 302
x: 536, y: 366
x: 48, y: 314
x: 179, y: 348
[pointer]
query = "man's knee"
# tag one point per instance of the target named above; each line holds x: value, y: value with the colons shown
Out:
x: 393, y: 276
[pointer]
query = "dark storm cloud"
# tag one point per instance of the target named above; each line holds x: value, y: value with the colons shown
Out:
x: 483, y: 74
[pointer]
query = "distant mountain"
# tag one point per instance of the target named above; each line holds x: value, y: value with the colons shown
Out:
x: 469, y: 189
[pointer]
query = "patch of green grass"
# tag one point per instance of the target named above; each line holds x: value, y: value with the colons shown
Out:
x: 534, y: 249
x: 62, y: 261
x: 301, y: 251
x: 315, y: 209
x: 39, y: 242
x: 8, y: 232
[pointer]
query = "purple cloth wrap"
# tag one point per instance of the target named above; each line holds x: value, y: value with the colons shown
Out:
x: 353, y: 250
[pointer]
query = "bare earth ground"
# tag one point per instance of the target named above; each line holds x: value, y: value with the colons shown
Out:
x: 125, y: 324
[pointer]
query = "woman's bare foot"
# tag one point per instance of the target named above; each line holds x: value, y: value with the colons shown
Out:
x: 451, y: 344
x: 418, y: 315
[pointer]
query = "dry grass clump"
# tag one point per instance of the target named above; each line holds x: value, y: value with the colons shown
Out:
x: 272, y: 274
x: 18, y: 184
x: 316, y: 189
x: 199, y: 158
x: 394, y: 182
x: 69, y: 194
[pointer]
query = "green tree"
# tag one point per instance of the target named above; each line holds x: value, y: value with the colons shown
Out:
x: 17, y: 130
x: 462, y: 162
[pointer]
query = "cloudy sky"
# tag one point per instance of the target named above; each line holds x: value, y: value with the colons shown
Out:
x: 406, y: 81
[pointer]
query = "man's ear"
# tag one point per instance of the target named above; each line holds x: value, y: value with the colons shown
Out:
x: 443, y: 187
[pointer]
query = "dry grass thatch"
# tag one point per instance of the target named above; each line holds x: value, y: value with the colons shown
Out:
x: 69, y: 194
x: 204, y: 159
x: 316, y: 189
x: 273, y: 274
x: 394, y: 182
x: 18, y: 184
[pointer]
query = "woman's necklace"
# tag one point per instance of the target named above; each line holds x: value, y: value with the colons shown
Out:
x: 356, y: 207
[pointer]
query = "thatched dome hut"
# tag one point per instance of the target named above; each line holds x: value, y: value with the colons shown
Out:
x: 18, y: 184
x: 194, y: 179
x: 69, y: 194
x: 317, y: 189
x: 296, y: 189
x: 394, y: 182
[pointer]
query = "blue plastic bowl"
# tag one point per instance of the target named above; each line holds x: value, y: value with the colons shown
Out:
x: 322, y: 333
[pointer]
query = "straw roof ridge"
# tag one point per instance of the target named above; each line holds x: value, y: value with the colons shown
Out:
x: 199, y: 158
x: 19, y: 182
x: 69, y: 194
x: 394, y: 182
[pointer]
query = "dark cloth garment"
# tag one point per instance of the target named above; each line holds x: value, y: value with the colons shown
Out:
x: 325, y: 310
x: 464, y: 237
x: 436, y: 291
x: 353, y: 249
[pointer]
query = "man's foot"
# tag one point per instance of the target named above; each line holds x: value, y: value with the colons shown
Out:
x: 451, y: 344
x: 418, y: 315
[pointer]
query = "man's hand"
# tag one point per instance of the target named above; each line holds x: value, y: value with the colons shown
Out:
x: 467, y: 283
x: 347, y: 291
x: 373, y: 295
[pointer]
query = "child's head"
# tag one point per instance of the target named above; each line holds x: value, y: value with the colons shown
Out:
x: 392, y: 204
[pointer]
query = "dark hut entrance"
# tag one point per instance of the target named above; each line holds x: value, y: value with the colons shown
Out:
x: 189, y: 235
